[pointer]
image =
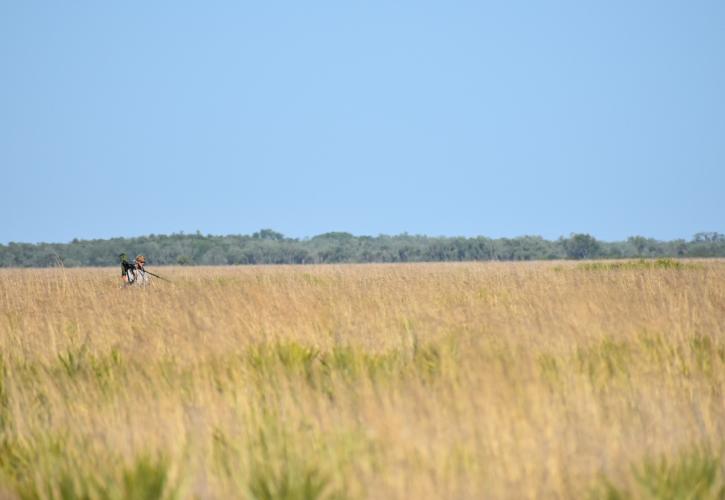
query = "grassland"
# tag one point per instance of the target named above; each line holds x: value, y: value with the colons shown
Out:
x: 365, y: 381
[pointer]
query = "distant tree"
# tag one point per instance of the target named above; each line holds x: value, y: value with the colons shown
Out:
x: 270, y: 247
x: 581, y: 246
x: 639, y: 243
x: 214, y: 257
x: 335, y: 235
x: 646, y: 246
x: 268, y: 234
x: 679, y: 248
x: 708, y: 237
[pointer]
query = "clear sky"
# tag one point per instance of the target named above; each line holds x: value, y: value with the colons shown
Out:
x: 441, y: 118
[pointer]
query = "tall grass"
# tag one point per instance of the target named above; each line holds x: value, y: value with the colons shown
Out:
x: 469, y: 380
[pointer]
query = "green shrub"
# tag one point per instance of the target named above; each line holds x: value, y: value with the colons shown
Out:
x: 607, y: 360
x: 42, y: 468
x: 635, y: 265
x: 73, y: 360
x: 693, y: 475
x: 146, y: 479
x: 293, y: 480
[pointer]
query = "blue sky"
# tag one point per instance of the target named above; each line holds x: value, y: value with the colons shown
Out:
x: 438, y: 118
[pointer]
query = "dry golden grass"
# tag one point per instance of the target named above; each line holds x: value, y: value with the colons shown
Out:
x: 365, y: 381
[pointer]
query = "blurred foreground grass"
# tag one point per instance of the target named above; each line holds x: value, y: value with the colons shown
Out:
x: 365, y: 381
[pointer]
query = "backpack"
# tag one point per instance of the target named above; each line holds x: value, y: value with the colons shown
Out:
x: 127, y: 269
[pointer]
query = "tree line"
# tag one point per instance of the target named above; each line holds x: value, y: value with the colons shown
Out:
x: 270, y: 247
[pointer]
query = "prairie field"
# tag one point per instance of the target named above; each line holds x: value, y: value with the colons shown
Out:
x: 465, y: 380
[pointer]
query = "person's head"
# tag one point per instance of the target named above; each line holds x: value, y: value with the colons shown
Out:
x: 140, y: 260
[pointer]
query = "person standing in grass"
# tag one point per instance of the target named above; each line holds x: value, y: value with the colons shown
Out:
x: 134, y: 274
x: 140, y: 277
